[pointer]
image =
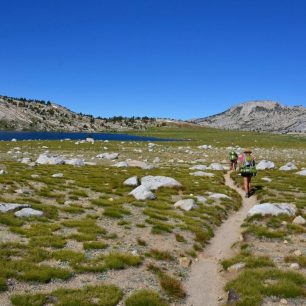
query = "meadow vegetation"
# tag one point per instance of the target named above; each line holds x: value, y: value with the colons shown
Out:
x: 91, y: 225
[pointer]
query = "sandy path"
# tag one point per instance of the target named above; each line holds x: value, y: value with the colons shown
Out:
x: 205, y: 283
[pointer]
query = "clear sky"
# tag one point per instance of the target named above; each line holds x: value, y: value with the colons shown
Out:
x: 161, y: 58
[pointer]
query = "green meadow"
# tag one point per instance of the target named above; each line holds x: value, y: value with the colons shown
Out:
x: 92, y: 228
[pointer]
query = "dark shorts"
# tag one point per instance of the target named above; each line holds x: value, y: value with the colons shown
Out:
x: 247, y: 174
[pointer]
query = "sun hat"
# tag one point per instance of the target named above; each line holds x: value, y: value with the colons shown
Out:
x: 247, y: 150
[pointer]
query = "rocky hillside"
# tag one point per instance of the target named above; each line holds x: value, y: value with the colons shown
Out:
x: 23, y: 114
x: 266, y: 116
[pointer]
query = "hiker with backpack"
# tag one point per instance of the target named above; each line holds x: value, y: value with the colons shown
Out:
x: 233, y: 157
x: 247, y: 170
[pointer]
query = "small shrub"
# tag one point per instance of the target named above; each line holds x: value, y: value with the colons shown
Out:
x: 145, y: 298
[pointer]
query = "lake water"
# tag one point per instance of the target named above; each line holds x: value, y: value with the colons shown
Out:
x: 9, y: 135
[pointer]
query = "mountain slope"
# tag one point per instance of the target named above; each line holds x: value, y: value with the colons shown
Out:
x: 268, y: 116
x: 37, y: 115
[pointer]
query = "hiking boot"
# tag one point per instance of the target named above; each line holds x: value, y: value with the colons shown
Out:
x: 247, y: 195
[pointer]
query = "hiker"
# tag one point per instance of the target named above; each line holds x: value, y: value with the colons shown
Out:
x: 247, y: 170
x: 233, y: 157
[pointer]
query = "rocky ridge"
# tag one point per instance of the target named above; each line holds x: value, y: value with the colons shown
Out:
x: 267, y: 116
x: 38, y: 115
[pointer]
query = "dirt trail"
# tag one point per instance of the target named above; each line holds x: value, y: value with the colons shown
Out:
x: 205, y: 283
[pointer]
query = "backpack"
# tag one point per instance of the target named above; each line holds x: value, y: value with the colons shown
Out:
x: 233, y: 156
x: 248, y: 165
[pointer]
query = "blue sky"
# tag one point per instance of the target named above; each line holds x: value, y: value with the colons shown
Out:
x: 161, y: 58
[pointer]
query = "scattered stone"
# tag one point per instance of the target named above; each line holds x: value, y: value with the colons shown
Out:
x: 90, y: 140
x: 199, y: 167
x: 26, y: 160
x: 232, y: 297
x: 236, y: 267
x: 28, y: 212
x: 156, y: 160
x: 272, y: 209
x: 283, y: 301
x: 34, y: 175
x: 139, y: 164
x: 299, y: 220
x: 184, y: 262
x: 46, y: 159
x: 265, y: 164
x: 295, y: 266
x: 297, y: 253
x: 202, y: 173
x: 201, y: 199
x: 121, y: 164
x: 187, y: 204
x: 154, y: 182
x: 58, y: 175
x: 109, y: 156
x: 90, y: 163
x: 132, y: 181
x: 23, y: 191
x: 217, y: 196
x: 288, y: 167
x: 303, y: 172
x: 142, y: 193
x: 75, y: 162
x: 216, y: 166
x: 5, y: 207
x: 267, y: 179
x: 205, y: 147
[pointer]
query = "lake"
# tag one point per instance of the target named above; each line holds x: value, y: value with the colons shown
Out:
x: 9, y: 135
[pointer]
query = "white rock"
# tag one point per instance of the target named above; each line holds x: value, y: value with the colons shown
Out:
x: 58, y: 175
x: 46, y: 159
x: 217, y: 196
x: 201, y: 199
x: 28, y: 212
x: 132, y: 181
x: 295, y: 266
x: 142, y: 193
x: 156, y: 160
x: 23, y: 191
x: 288, y: 167
x: 272, y: 209
x: 14, y: 139
x: 139, y: 164
x: 299, y: 220
x: 2, y: 171
x: 75, y: 162
x: 34, y: 175
x: 205, y: 147
x: 267, y: 179
x: 186, y: 204
x: 90, y: 140
x: 109, y: 156
x: 90, y: 163
x: 236, y: 267
x: 283, y: 301
x: 202, y: 173
x: 154, y: 182
x: 121, y: 164
x: 199, y: 167
x: 265, y: 164
x: 303, y: 172
x: 297, y: 253
x: 5, y: 207
x: 26, y: 160
x: 216, y: 166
